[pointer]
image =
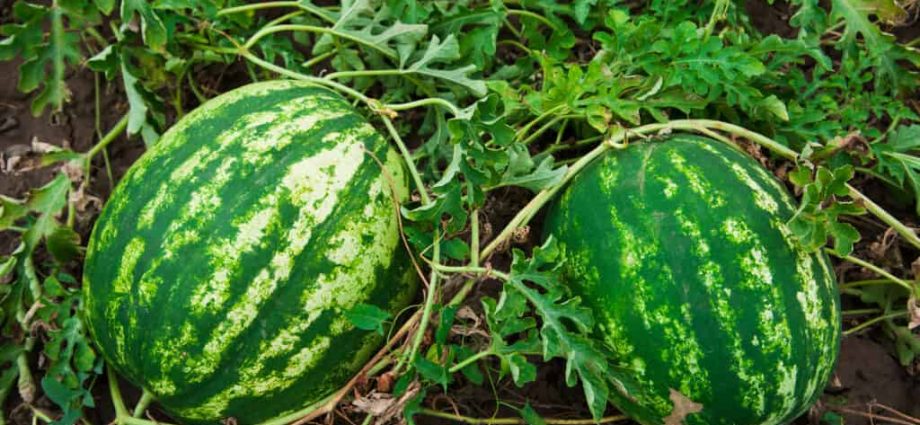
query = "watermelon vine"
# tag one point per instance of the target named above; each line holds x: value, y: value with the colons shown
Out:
x: 498, y: 114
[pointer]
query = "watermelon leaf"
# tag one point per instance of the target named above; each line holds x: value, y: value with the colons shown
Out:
x: 531, y: 416
x: 153, y: 30
x: 882, y: 47
x: 447, y: 51
x: 566, y: 324
x: 818, y: 215
x: 368, y: 317
x: 432, y: 371
x: 896, y: 158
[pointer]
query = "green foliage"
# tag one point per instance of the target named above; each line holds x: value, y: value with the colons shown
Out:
x: 368, y: 317
x: 51, y: 303
x: 895, y: 159
x: 533, y: 289
x: 531, y: 83
x: 818, y: 215
x: 46, y: 39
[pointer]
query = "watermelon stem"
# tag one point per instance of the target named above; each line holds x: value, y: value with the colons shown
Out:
x: 435, y: 256
x: 268, y: 30
x: 423, y: 102
x: 878, y: 270
x: 109, y: 137
x: 470, y: 360
x: 868, y: 323
x: 474, y: 238
x: 546, y: 126
x: 526, y: 128
x: 272, y: 4
x: 122, y: 417
x: 867, y: 282
x: 141, y: 407
x: 535, y: 16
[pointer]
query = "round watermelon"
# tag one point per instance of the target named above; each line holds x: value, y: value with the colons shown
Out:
x: 220, y: 272
x: 700, y: 291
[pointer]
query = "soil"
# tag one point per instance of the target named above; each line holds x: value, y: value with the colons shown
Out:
x: 867, y: 373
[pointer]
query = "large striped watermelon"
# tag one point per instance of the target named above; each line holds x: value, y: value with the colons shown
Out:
x: 681, y: 249
x: 219, y: 272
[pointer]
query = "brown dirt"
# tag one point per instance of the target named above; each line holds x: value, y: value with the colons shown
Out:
x: 73, y: 128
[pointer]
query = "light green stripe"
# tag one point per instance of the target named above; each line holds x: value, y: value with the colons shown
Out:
x: 718, y: 294
x: 761, y: 172
x: 341, y: 289
x: 762, y: 199
x: 121, y: 291
x: 315, y: 195
x: 698, y: 183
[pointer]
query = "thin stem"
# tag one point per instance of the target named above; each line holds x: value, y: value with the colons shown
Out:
x: 283, y: 18
x: 436, y: 254
x: 314, y: 29
x: 511, y: 27
x: 272, y: 4
x: 298, y: 76
x: 578, y: 144
x: 719, y: 12
x: 476, y: 270
x: 526, y: 128
x: 137, y: 421
x: 384, y: 362
x: 907, y: 233
x: 873, y: 321
x: 561, y: 132
x: 97, y: 122
x: 529, y: 14
x: 454, y: 110
x: 413, y: 171
x: 860, y: 311
x: 257, y: 6
x: 317, y: 59
x: 516, y: 421
x: 115, y: 391
x: 517, y: 44
x: 470, y: 360
x: 146, y: 398
x: 910, y: 289
x: 41, y: 415
x: 195, y: 91
x: 363, y: 73
x: 758, y: 138
x: 474, y: 238
x: 533, y: 136
x: 110, y: 137
x: 429, y: 305
x: 867, y: 282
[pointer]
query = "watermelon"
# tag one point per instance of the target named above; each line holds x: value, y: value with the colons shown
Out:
x: 219, y: 275
x: 700, y: 291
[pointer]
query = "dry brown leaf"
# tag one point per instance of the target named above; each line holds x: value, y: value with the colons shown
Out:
x: 913, y: 311
x: 683, y: 407
x: 375, y: 403
x: 39, y: 146
x: 397, y: 406
x: 82, y: 201
x: 521, y: 234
